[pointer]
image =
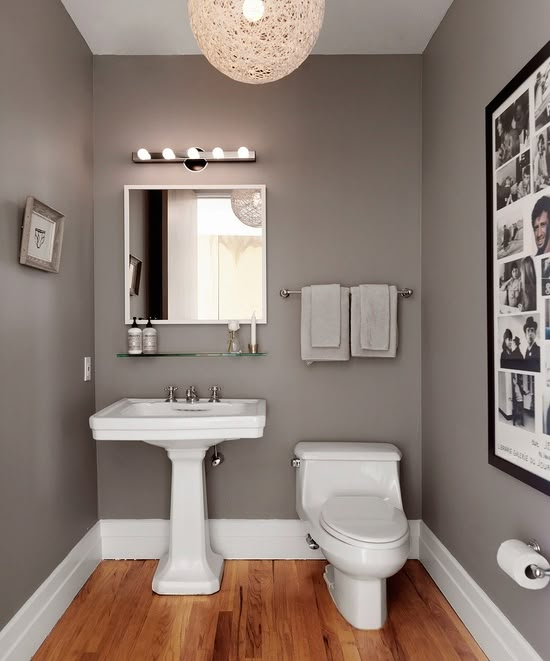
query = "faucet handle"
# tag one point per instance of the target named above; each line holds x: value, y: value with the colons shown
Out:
x: 171, y: 390
x: 215, y: 393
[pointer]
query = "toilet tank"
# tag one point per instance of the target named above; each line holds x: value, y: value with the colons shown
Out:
x: 345, y: 468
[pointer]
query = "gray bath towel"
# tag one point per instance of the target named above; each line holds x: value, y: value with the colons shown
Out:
x: 375, y: 317
x: 325, y: 316
x: 355, y: 333
x: 312, y: 354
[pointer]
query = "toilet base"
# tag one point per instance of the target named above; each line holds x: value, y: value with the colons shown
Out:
x: 362, y: 602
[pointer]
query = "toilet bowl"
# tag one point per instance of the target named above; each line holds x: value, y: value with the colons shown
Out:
x: 349, y: 497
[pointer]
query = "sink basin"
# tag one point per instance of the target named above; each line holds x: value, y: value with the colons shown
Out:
x: 185, y: 431
x: 179, y: 424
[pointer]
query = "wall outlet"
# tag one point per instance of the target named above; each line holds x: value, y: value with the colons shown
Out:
x: 87, y: 368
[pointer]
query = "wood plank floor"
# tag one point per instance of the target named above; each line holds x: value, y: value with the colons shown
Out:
x: 275, y: 610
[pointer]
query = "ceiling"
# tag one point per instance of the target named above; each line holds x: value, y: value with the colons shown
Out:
x: 161, y: 27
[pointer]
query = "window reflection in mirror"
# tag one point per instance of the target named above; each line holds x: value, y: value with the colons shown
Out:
x: 200, y: 262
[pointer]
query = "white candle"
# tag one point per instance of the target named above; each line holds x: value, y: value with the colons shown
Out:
x: 253, y: 329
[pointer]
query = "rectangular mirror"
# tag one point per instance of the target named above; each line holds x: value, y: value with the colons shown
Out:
x: 195, y: 254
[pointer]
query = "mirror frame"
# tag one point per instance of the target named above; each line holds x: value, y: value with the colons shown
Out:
x: 167, y: 322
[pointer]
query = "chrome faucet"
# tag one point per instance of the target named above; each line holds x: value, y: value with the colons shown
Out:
x: 171, y: 390
x: 191, y: 395
x: 215, y: 394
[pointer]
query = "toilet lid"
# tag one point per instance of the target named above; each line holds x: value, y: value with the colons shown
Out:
x: 364, y: 518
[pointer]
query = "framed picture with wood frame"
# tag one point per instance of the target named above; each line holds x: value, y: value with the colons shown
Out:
x: 42, y: 236
x: 517, y: 125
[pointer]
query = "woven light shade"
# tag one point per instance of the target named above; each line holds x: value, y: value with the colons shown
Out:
x: 257, y: 50
x: 246, y: 204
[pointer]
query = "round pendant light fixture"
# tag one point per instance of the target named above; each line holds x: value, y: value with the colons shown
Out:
x: 256, y: 41
x: 246, y: 204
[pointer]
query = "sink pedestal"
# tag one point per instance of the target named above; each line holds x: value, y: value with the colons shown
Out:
x: 186, y: 431
x: 190, y: 566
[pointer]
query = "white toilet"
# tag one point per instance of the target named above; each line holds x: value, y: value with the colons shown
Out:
x: 349, y: 496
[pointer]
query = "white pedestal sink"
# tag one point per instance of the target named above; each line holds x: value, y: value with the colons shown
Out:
x: 185, y: 431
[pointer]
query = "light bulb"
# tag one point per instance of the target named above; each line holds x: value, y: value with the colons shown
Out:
x: 193, y: 152
x: 168, y: 154
x: 218, y: 152
x: 243, y: 152
x: 143, y: 154
x: 253, y: 10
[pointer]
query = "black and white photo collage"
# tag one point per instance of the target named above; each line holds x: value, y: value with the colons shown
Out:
x: 521, y: 258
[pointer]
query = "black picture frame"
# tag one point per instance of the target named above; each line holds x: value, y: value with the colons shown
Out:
x: 522, y: 453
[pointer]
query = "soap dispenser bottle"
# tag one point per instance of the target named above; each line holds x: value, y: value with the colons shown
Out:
x: 150, y: 339
x: 233, y: 344
x: 135, y: 339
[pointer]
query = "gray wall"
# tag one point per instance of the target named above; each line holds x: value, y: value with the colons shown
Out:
x: 47, y: 457
x: 471, y: 506
x: 338, y: 146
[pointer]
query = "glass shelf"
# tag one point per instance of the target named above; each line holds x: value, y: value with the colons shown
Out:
x: 198, y: 354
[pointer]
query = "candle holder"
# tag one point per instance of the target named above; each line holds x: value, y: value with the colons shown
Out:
x: 252, y: 348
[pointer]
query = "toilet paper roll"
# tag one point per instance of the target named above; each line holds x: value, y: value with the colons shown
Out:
x: 515, y: 558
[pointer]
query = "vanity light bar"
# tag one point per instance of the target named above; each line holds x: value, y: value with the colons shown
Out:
x: 240, y: 156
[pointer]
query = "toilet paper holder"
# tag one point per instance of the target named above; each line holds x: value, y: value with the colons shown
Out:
x: 538, y: 572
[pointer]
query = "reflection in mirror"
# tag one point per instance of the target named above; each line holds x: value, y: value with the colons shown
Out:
x: 202, y: 258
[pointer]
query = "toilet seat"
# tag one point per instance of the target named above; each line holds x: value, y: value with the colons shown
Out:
x: 364, y: 521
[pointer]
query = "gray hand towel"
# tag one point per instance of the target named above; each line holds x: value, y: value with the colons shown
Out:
x: 375, y: 317
x: 325, y: 316
x: 355, y: 333
x: 312, y: 354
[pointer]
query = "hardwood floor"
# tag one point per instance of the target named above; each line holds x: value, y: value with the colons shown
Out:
x: 266, y: 609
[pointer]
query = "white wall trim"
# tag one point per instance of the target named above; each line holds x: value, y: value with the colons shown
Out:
x: 414, y: 527
x: 242, y: 539
x: 29, y: 627
x: 493, y: 631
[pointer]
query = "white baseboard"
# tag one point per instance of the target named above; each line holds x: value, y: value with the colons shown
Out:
x: 29, y: 627
x: 242, y: 539
x: 414, y: 527
x: 492, y: 630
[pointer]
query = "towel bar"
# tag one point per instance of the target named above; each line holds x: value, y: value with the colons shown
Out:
x: 285, y: 293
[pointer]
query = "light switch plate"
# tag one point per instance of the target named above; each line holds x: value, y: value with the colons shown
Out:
x: 87, y: 368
